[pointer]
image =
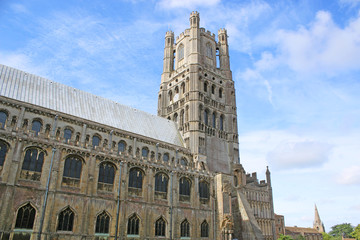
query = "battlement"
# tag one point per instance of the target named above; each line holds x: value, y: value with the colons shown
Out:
x: 252, y: 178
x: 194, y: 14
x: 222, y: 31
x: 169, y: 34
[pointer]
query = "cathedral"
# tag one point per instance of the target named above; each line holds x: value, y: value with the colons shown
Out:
x: 78, y: 166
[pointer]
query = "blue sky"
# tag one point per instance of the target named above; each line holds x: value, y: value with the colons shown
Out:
x: 295, y: 65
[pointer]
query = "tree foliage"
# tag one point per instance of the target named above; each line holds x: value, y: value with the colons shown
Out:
x: 356, y: 232
x: 341, y: 229
x: 285, y: 237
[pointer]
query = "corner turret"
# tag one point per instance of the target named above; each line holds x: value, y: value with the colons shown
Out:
x: 194, y: 19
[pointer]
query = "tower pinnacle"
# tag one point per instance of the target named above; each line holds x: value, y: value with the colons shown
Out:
x: 318, y: 224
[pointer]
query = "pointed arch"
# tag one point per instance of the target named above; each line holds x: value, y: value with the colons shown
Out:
x: 102, y: 222
x: 185, y: 228
x: 204, y: 229
x: 133, y: 225
x: 25, y: 217
x: 160, y: 227
x: 136, y: 176
x: 4, y: 147
x: 33, y: 159
x: 161, y: 182
x: 66, y: 220
x: 204, y: 189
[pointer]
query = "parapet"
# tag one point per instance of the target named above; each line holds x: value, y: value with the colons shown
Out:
x: 169, y: 34
x: 222, y: 31
x: 194, y: 14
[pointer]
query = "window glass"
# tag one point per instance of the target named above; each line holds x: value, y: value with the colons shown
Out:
x: 25, y: 217
x: 36, y: 126
x: 161, y: 182
x: 102, y: 223
x: 135, y: 178
x: 3, y: 117
x: 66, y: 220
x: 133, y: 225
x: 67, y: 134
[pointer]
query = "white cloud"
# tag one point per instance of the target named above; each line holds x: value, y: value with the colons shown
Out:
x: 288, y: 155
x: 188, y: 4
x: 323, y: 47
x: 350, y: 175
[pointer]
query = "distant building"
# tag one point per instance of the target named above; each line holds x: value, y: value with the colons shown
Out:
x: 279, y: 225
x: 308, y: 233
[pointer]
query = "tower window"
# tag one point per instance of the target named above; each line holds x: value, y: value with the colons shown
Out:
x: 209, y: 50
x: 95, y: 141
x: 204, y: 190
x: 161, y: 182
x: 160, y: 227
x: 213, y: 89
x: 133, y: 225
x: 206, y: 117
x: 166, y: 157
x: 220, y: 93
x: 67, y: 134
x: 121, y: 146
x: 184, y: 186
x: 181, y: 52
x: 25, y: 217
x: 135, y: 178
x: 205, y: 86
x: 106, y: 173
x: 222, y: 123
x: 36, y: 126
x: 102, y: 223
x: 66, y: 220
x: 33, y: 160
x: 204, y: 229
x: 213, y: 120
x: 185, y: 229
x: 145, y: 152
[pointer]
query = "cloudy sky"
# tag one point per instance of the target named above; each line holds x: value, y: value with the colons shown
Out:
x: 296, y: 67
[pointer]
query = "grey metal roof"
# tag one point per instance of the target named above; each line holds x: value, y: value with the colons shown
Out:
x: 40, y: 91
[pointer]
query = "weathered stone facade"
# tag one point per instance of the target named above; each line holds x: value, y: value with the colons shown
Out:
x: 78, y: 177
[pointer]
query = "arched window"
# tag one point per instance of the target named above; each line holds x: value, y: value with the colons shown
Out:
x: 182, y: 113
x: 185, y: 229
x: 67, y: 134
x: 176, y: 89
x: 209, y: 50
x: 184, y: 186
x: 160, y: 227
x: 25, y: 217
x: 72, y: 168
x: 33, y: 160
x: 204, y: 190
x: 206, y: 117
x: 102, y: 223
x: 3, y: 151
x: 161, y: 182
x: 3, y: 118
x: 170, y: 96
x: 183, y: 161
x: 133, y: 225
x: 36, y: 126
x: 145, y: 152
x: 181, y: 52
x: 205, y: 86
x: 121, y: 146
x: 213, y: 89
x: 106, y: 173
x: 214, y: 120
x: 166, y: 157
x: 135, y: 178
x: 66, y: 220
x: 220, y: 93
x: 222, y: 123
x: 204, y: 229
x: 95, y: 141
x: 183, y: 88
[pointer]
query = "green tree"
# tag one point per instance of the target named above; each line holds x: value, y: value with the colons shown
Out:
x: 356, y: 232
x: 327, y: 236
x: 300, y: 237
x: 341, y: 229
x: 285, y: 237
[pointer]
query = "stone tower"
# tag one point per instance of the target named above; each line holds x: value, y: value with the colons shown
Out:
x: 197, y: 92
x: 318, y: 224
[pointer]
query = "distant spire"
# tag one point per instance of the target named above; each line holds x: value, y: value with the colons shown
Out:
x: 318, y: 224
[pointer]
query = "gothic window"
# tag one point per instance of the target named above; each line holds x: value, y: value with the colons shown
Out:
x: 133, y: 225
x: 176, y: 89
x: 236, y: 181
x: 72, y: 168
x: 160, y: 227
x: 220, y: 93
x: 3, y: 151
x: 170, y: 96
x: 166, y: 157
x: 36, y: 126
x: 204, y: 190
x: 95, y: 141
x: 183, y: 88
x: 102, y: 223
x: 67, y: 134
x: 206, y: 117
x: 182, y: 113
x: 135, y: 178
x: 25, y: 217
x: 181, y: 52
x: 184, y: 186
x: 121, y: 146
x: 145, y: 152
x: 161, y: 182
x: 66, y: 220
x: 222, y: 123
x: 213, y: 89
x: 175, y: 118
x: 183, y: 161
x: 204, y: 229
x: 209, y: 50
x: 3, y: 118
x: 106, y: 173
x: 205, y: 86
x: 185, y: 229
x: 33, y: 160
x: 214, y: 120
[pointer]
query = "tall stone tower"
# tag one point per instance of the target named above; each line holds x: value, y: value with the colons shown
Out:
x: 197, y: 92
x: 318, y: 224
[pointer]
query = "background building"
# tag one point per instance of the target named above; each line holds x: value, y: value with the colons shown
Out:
x: 74, y: 165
